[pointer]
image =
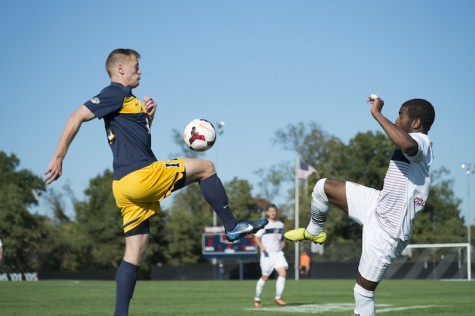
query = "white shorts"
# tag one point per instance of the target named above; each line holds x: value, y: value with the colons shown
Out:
x: 275, y: 260
x: 378, y: 248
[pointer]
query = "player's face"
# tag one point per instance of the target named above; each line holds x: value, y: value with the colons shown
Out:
x: 271, y: 213
x: 404, y: 121
x: 132, y: 72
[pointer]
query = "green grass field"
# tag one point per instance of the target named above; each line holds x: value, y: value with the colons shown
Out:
x: 228, y: 298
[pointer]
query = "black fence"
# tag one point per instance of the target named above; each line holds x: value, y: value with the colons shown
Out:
x: 250, y: 270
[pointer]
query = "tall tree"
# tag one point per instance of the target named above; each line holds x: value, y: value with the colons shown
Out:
x: 99, y: 218
x: 25, y: 236
x: 440, y: 222
x: 312, y: 145
x: 272, y: 180
x: 241, y: 200
x: 187, y: 217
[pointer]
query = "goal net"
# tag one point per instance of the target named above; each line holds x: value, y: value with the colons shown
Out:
x: 433, y: 261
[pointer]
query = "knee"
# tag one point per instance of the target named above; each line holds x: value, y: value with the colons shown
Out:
x: 209, y: 167
x: 319, y: 190
x: 364, y: 283
x: 199, y: 169
x: 206, y: 169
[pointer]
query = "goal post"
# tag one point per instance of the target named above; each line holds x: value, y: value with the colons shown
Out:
x: 466, y: 246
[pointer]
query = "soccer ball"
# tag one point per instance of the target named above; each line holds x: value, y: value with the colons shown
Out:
x: 199, y: 135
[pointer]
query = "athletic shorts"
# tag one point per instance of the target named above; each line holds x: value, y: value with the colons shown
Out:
x: 379, y: 249
x: 139, y: 193
x: 274, y: 260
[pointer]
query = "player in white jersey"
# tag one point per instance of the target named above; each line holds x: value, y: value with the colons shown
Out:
x: 271, y: 242
x: 387, y: 215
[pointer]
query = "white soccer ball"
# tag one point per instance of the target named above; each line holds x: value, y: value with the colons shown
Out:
x: 199, y: 135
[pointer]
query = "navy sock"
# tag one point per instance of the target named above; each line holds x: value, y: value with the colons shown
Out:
x: 125, y: 285
x: 214, y: 193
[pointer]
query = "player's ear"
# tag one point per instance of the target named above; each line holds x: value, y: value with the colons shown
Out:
x: 417, y: 124
x: 120, y: 69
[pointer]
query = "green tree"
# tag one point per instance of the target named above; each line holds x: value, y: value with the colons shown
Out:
x: 272, y: 180
x: 440, y: 221
x: 54, y: 199
x: 365, y: 159
x: 187, y: 217
x: 313, y: 145
x: 100, y: 220
x: 26, y: 237
x: 241, y: 200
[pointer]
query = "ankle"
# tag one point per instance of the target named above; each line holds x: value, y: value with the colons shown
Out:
x: 314, y: 229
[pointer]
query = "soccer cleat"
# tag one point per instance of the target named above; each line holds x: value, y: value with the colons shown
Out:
x: 302, y: 234
x: 280, y: 302
x: 245, y: 228
x: 257, y: 304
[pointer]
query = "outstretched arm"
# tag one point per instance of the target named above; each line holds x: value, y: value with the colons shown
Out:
x: 397, y: 135
x: 55, y: 167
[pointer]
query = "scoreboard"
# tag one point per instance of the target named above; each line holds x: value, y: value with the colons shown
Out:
x: 215, y: 245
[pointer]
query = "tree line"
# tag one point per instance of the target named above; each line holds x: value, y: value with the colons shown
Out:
x: 91, y: 238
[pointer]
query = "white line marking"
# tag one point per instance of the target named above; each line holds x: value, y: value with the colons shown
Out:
x: 334, y: 307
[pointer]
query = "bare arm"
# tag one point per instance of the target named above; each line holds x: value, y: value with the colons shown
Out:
x: 55, y: 167
x: 397, y: 135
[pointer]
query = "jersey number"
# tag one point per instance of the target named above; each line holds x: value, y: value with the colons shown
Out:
x: 175, y: 165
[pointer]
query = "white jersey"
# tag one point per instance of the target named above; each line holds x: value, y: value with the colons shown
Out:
x: 271, y: 235
x: 406, y: 188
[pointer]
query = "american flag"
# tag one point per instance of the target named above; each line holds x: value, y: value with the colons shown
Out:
x: 306, y: 170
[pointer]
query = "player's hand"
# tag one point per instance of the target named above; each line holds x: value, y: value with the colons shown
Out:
x: 150, y: 106
x: 376, y: 102
x: 54, y: 171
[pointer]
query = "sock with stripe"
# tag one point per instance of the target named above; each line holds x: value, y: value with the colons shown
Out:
x: 319, y: 209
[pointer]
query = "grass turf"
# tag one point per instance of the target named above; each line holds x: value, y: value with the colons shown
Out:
x: 305, y: 297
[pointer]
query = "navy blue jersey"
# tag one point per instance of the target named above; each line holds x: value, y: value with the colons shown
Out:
x: 127, y: 127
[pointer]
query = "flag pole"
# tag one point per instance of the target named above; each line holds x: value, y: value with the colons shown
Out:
x: 297, y: 245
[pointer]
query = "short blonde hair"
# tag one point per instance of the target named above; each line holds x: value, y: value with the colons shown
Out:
x: 118, y: 55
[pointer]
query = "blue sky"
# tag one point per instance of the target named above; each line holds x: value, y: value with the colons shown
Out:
x: 256, y: 65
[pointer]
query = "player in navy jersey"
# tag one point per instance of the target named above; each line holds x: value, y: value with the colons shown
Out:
x: 386, y: 215
x: 140, y: 180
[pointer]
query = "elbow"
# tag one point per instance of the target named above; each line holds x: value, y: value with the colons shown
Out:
x: 409, y: 148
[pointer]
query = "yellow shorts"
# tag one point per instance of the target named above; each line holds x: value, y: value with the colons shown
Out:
x: 139, y: 193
